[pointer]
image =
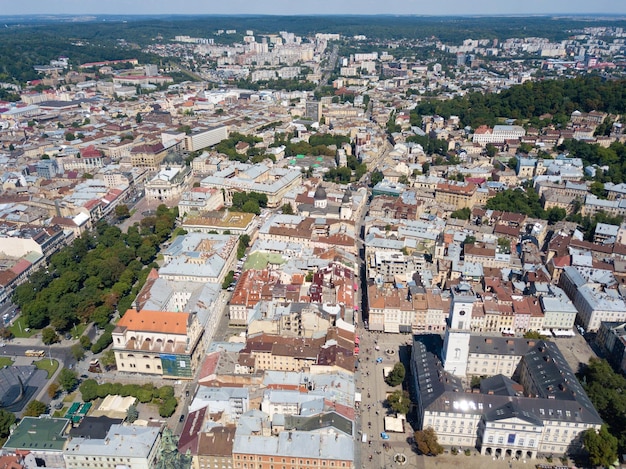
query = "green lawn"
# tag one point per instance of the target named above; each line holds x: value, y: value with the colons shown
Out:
x: 5, y: 361
x: 49, y: 365
x: 20, y: 329
x: 78, y: 330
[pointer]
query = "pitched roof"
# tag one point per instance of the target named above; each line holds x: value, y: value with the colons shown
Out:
x: 155, y: 321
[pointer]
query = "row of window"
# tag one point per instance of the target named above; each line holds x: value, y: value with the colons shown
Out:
x: 133, y: 365
x: 520, y: 441
x: 251, y: 465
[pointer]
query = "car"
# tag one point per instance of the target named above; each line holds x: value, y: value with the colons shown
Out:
x: 384, y: 436
x: 379, y: 360
x: 84, y: 376
x: 182, y: 417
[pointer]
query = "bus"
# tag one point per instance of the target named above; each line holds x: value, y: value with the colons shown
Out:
x: 35, y: 353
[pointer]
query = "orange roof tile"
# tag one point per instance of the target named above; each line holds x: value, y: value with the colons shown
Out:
x: 155, y: 321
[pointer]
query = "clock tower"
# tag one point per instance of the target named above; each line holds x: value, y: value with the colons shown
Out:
x: 456, y: 342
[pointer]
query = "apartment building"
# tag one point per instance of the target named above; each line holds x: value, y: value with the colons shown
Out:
x: 203, y: 138
x: 148, y: 155
x: 460, y: 195
x: 270, y: 352
x: 593, y: 292
x: 124, y: 446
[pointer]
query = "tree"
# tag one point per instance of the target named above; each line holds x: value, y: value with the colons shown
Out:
x: 122, y: 211
x: 78, y: 352
x: 103, y: 342
x: 376, y: 177
x: 462, y: 213
x: 5, y: 333
x: 533, y: 335
x: 228, y: 279
x: 89, y: 390
x: 602, y: 446
x: 35, y: 408
x: 426, y: 441
x: 6, y: 420
x: 597, y: 189
x: 85, y: 342
x: 396, y: 376
x: 132, y: 414
x: 53, y: 389
x: 251, y: 206
x: 287, y: 209
x: 138, y: 118
x: 556, y: 214
x: 49, y: 336
x: 504, y: 244
x: 399, y: 401
x: 68, y: 379
x: 475, y: 382
x: 107, y: 359
x: 469, y: 239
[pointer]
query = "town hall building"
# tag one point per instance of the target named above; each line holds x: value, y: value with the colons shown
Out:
x: 531, y: 404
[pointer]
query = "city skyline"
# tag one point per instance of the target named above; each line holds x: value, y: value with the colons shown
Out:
x: 285, y: 7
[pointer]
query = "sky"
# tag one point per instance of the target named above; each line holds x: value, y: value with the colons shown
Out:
x: 300, y: 7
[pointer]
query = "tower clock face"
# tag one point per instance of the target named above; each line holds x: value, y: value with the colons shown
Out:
x: 462, y: 313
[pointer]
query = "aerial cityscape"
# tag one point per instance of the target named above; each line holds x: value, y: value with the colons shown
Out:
x: 280, y: 241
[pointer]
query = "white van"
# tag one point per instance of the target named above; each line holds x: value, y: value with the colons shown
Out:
x: 364, y: 438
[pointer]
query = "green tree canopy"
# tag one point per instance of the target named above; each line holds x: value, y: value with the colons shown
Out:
x: 397, y: 374
x: 122, y: 211
x: 517, y: 201
x: 131, y: 413
x: 35, y: 408
x: 6, y: 420
x: 601, y: 446
x: 605, y: 388
x: 49, y: 336
x: 399, y: 401
x: 376, y: 177
x: 462, y: 213
x: 68, y: 379
x: 426, y: 441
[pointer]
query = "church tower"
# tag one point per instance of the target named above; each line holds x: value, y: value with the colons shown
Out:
x: 456, y: 342
x: 345, y: 211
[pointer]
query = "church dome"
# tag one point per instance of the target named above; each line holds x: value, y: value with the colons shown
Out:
x: 320, y: 193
